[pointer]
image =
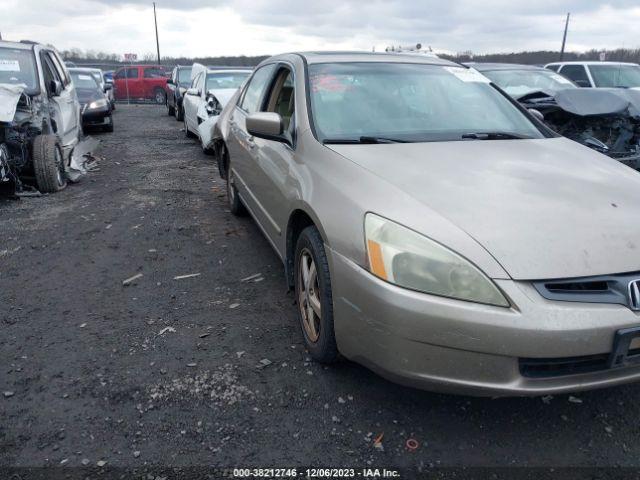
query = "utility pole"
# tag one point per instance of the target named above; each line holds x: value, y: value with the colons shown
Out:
x: 564, y: 37
x: 155, y: 19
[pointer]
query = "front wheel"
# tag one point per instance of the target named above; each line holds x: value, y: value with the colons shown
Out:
x: 171, y: 109
x: 314, y: 297
x: 109, y: 126
x: 179, y: 112
x: 48, y: 164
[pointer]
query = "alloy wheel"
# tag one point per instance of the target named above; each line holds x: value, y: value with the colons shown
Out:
x: 309, y: 296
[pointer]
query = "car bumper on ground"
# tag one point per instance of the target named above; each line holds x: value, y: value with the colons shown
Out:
x: 537, y: 347
x: 96, y: 117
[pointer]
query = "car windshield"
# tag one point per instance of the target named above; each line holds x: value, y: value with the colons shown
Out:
x: 217, y: 81
x: 84, y: 81
x: 18, y: 66
x: 612, y: 76
x: 98, y: 77
x: 518, y: 83
x: 184, y: 77
x: 410, y: 102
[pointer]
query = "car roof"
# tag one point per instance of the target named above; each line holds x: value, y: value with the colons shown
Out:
x: 212, y: 68
x: 487, y: 67
x: 18, y: 45
x: 355, y: 57
x: 591, y: 62
x: 83, y: 69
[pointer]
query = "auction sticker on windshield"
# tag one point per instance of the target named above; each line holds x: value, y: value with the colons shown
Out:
x: 9, y: 66
x: 467, y: 74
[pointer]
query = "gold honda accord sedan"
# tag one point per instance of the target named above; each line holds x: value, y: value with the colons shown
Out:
x: 433, y: 229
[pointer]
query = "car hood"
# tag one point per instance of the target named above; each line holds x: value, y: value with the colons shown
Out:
x: 88, y: 96
x: 223, y: 94
x: 600, y: 101
x: 544, y: 209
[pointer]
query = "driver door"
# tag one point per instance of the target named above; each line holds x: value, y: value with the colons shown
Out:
x: 66, y: 106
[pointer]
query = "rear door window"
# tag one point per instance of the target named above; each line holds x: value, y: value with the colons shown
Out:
x: 577, y: 73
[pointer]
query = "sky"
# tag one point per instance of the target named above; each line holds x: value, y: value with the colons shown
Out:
x: 196, y: 28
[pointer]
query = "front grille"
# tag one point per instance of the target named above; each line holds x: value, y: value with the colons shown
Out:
x: 560, y: 367
x: 617, y: 289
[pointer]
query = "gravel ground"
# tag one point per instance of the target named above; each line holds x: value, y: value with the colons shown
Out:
x: 209, y: 370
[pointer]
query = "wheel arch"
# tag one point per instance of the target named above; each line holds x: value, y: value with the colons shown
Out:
x: 301, y: 217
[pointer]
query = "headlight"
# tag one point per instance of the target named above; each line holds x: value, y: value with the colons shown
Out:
x: 410, y: 260
x: 97, y: 104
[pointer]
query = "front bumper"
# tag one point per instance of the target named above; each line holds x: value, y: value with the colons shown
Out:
x: 97, y: 116
x: 454, y: 346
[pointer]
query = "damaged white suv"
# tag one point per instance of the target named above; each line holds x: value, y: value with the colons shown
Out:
x: 39, y: 117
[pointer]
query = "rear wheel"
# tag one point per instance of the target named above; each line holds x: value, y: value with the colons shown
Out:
x: 233, y: 199
x: 160, y: 96
x: 48, y: 164
x: 314, y: 297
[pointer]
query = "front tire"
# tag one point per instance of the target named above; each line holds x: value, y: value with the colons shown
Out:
x: 179, y: 113
x: 171, y: 109
x: 109, y: 127
x: 48, y: 164
x: 188, y: 132
x: 314, y: 296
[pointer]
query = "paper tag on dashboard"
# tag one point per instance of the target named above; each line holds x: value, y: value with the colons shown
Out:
x: 467, y: 74
x: 9, y: 66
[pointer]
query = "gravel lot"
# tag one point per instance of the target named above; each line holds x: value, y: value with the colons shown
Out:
x: 168, y: 372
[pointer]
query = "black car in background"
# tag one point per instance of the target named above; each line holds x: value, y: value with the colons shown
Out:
x: 177, y: 84
x: 95, y: 105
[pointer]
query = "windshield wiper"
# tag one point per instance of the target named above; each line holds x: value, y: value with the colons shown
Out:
x: 365, y: 139
x: 493, y: 136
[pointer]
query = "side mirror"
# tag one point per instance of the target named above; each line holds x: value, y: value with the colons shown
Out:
x: 267, y: 125
x: 193, y: 91
x: 55, y: 88
x: 583, y: 83
x: 170, y: 82
x: 107, y: 87
x: 536, y: 113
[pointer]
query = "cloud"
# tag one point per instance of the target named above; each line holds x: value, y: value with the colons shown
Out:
x: 254, y: 27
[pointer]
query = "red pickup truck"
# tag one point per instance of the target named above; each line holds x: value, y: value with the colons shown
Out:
x: 141, y: 82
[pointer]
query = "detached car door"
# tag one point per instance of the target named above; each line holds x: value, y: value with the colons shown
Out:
x: 191, y: 100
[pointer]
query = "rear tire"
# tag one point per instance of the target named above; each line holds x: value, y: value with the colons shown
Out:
x: 160, y: 96
x: 314, y: 296
x: 233, y: 199
x: 48, y: 164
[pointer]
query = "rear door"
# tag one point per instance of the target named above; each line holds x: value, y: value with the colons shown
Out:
x: 66, y: 104
x: 242, y: 145
x: 154, y: 79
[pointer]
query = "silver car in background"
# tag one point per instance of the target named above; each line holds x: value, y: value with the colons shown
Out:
x: 433, y: 229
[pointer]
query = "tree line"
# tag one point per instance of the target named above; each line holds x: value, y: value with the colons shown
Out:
x: 530, y: 58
